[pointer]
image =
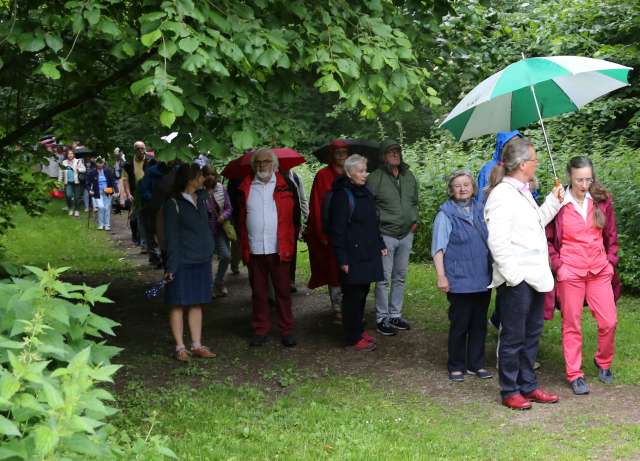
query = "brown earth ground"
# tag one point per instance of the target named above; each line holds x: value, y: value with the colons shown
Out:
x: 413, y: 361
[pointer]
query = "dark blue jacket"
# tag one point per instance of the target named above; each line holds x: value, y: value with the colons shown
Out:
x: 92, y: 181
x: 187, y: 232
x: 502, y: 138
x: 355, y: 233
x: 467, y: 262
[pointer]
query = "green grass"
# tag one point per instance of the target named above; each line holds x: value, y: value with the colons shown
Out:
x: 59, y: 240
x: 349, y: 419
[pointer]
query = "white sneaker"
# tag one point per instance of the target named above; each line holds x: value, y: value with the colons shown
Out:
x: 100, y: 228
x: 70, y: 212
x: 107, y: 228
x: 76, y: 214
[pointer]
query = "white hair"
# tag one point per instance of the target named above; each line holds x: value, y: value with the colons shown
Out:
x: 351, y: 162
x: 265, y: 150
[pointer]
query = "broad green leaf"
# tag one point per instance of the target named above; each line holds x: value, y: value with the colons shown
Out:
x: 431, y: 91
x: 128, y: 49
x: 109, y: 27
x: 151, y: 17
x: 172, y: 103
x: 167, y: 49
x: 327, y: 84
x: 150, y: 38
x: 9, y: 385
x: 46, y: 439
x: 142, y: 86
x: 188, y: 44
x: 105, y: 372
x: 54, y: 42
x: 8, y: 428
x: 29, y: 42
x: 53, y: 395
x: 92, y: 16
x: 244, y: 139
x: 167, y: 118
x: 6, y: 343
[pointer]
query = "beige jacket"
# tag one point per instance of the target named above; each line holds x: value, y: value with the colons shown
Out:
x: 78, y: 167
x: 517, y: 239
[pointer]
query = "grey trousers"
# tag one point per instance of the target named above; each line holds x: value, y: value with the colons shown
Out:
x: 395, y: 264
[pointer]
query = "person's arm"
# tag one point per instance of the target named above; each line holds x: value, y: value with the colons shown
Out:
x: 340, y: 211
x: 554, y: 254
x: 81, y: 167
x: 501, y: 222
x: 304, y: 203
x: 125, y: 186
x: 228, y: 209
x: 610, y: 234
x: 172, y: 235
x: 552, y: 204
x: 439, y: 242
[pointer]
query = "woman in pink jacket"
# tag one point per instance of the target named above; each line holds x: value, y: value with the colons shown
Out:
x: 583, y: 247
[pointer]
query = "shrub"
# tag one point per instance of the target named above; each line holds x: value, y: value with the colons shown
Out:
x: 52, y: 365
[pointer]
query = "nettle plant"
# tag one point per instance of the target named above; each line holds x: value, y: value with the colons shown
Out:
x: 52, y: 365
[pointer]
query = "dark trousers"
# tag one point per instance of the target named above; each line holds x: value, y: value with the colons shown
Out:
x: 149, y: 217
x: 522, y: 322
x: 467, y: 330
x: 354, y: 298
x: 260, y: 268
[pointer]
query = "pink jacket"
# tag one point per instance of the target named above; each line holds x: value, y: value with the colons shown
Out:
x: 554, y: 242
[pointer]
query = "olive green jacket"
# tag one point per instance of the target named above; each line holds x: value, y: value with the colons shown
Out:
x: 396, y: 199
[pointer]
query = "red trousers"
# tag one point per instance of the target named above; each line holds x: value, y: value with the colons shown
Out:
x: 596, y: 289
x: 260, y: 267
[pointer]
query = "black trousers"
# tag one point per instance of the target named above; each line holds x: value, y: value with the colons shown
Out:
x: 354, y: 298
x: 522, y: 322
x: 467, y: 330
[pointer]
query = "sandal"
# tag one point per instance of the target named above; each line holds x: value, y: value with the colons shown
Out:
x: 203, y: 352
x: 183, y: 355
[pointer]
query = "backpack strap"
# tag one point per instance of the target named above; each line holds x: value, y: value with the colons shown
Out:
x: 175, y: 202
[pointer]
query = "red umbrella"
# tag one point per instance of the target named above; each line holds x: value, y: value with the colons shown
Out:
x: 241, y: 166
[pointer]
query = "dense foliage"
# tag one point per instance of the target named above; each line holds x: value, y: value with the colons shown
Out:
x: 52, y: 367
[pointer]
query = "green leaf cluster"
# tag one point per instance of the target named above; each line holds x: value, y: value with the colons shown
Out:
x: 52, y: 364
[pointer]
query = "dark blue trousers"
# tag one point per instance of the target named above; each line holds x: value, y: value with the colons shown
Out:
x: 522, y: 322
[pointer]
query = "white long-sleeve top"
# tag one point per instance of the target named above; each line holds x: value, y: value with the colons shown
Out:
x: 262, y: 218
x: 517, y: 239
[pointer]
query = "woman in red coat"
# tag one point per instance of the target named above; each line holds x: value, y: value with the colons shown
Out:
x: 583, y: 251
x: 324, y: 268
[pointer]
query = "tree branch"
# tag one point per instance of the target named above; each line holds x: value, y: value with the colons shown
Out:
x: 88, y: 93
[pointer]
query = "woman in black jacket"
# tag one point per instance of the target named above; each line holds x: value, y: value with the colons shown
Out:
x: 358, y: 246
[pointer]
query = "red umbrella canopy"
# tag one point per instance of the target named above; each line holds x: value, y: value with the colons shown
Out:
x: 241, y: 166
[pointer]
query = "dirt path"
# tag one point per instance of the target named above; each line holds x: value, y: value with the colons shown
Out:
x: 413, y: 361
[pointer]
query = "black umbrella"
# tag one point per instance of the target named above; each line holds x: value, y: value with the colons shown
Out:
x: 81, y: 151
x: 368, y: 149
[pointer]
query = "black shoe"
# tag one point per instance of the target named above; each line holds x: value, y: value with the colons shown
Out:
x: 258, y: 341
x: 481, y: 373
x: 289, y: 341
x: 604, y: 374
x: 399, y: 323
x: 385, y: 329
x: 579, y: 386
x: 458, y: 377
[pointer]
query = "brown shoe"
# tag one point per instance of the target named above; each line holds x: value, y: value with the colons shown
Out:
x: 203, y: 352
x: 183, y: 355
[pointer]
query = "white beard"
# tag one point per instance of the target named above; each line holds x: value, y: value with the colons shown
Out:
x: 264, y: 176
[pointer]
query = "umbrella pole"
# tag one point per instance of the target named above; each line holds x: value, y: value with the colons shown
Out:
x: 544, y: 131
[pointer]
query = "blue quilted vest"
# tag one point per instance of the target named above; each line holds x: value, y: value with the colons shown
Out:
x: 467, y: 262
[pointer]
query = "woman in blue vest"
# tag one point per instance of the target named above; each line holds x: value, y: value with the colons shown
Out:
x: 462, y: 261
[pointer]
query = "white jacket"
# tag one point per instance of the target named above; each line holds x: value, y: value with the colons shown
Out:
x: 78, y: 167
x: 517, y: 239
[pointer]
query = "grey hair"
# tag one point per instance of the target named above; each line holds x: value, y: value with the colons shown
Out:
x: 516, y: 152
x: 352, y: 161
x: 457, y: 174
x: 264, y: 150
x: 138, y: 143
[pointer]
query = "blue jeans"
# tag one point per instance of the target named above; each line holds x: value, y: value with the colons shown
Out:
x: 395, y: 268
x: 73, y: 194
x: 104, y: 211
x: 224, y: 255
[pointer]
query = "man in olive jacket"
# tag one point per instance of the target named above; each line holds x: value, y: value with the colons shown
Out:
x: 395, y: 190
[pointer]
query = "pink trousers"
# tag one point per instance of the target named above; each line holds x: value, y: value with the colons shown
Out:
x: 596, y: 289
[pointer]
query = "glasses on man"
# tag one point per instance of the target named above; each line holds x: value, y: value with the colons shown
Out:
x: 263, y: 162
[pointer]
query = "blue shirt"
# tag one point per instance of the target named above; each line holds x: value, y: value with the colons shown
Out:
x: 442, y: 229
x: 102, y: 181
x: 70, y: 175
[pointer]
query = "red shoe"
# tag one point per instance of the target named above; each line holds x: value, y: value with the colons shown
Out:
x: 364, y: 346
x: 540, y: 396
x: 516, y: 402
x: 367, y: 337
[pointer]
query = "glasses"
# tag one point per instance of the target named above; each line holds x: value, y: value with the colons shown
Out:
x: 263, y: 162
x: 535, y: 160
x: 584, y: 180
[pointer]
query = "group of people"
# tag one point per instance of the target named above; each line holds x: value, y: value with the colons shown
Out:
x: 359, y: 228
x: 560, y: 254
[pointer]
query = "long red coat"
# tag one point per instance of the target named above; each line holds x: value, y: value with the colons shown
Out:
x: 324, y: 267
x: 610, y: 240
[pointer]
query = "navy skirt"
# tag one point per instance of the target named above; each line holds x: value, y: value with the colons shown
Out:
x: 192, y: 285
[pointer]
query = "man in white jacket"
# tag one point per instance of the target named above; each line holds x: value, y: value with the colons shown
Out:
x: 521, y: 270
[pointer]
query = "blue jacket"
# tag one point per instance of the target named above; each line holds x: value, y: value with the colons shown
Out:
x: 187, y: 232
x: 92, y: 181
x: 502, y: 138
x: 467, y: 262
x: 355, y: 233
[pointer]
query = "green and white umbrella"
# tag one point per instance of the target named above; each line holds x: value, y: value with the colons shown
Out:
x: 530, y: 90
